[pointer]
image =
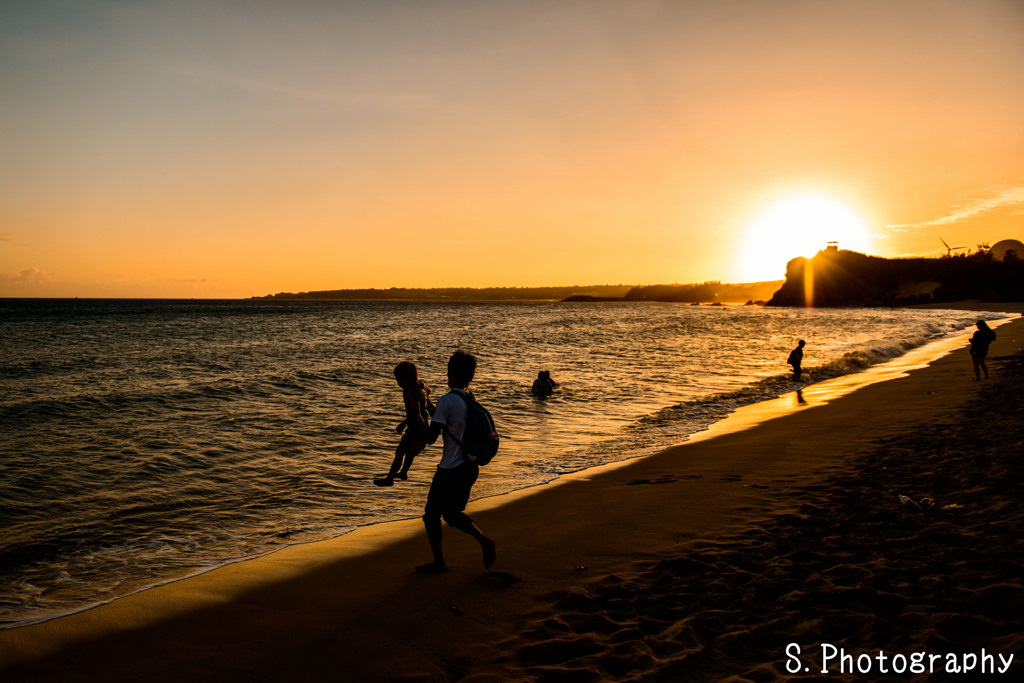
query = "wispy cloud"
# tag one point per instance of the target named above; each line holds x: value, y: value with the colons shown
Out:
x: 309, y: 94
x: 31, y: 276
x: 982, y: 202
x: 6, y: 237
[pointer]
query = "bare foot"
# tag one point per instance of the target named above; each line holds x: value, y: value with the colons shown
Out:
x: 432, y: 568
x: 490, y: 555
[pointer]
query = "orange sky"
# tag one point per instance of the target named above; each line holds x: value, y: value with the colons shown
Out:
x: 229, y: 149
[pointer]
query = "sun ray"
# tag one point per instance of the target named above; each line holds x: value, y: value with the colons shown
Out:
x: 798, y: 225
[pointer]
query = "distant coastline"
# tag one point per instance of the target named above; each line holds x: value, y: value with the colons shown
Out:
x: 832, y: 277
x: 456, y: 293
x: 707, y: 292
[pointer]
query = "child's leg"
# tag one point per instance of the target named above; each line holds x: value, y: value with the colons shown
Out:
x: 400, y: 452
x: 410, y: 455
x: 389, y: 478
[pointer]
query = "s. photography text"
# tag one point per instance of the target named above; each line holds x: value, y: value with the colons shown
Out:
x: 827, y: 658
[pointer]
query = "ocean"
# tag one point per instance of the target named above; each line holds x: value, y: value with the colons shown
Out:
x: 146, y: 441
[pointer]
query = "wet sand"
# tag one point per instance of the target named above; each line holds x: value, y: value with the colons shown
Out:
x: 713, y: 560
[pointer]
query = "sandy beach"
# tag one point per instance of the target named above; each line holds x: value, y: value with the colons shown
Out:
x: 882, y: 523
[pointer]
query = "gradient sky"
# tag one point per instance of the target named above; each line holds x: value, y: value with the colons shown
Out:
x: 225, y: 149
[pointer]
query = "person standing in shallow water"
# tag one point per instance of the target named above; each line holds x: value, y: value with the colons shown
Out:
x: 980, y: 342
x: 796, y: 357
x: 456, y: 473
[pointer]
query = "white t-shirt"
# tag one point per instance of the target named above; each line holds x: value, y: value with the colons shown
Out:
x: 450, y: 411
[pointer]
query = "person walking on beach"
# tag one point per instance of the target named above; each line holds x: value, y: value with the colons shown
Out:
x: 796, y: 357
x: 456, y: 473
x: 418, y: 409
x: 980, y: 342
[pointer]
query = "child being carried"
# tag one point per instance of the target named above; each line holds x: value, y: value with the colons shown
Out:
x: 418, y: 409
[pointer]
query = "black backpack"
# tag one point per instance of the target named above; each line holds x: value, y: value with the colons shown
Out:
x: 480, y: 440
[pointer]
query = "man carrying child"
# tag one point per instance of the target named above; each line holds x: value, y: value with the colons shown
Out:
x: 456, y: 473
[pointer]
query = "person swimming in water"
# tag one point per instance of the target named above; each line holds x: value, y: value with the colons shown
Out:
x: 543, y: 385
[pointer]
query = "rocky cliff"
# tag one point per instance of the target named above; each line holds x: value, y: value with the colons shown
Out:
x: 847, y: 278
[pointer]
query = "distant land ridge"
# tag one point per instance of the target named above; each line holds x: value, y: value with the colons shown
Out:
x: 707, y: 292
x: 832, y: 277
x: 460, y: 293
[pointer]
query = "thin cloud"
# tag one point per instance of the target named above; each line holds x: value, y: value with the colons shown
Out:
x: 985, y: 202
x: 30, y: 276
x: 6, y: 237
x: 312, y: 95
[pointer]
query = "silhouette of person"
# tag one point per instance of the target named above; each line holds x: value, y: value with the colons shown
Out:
x: 543, y: 385
x: 418, y: 409
x: 796, y: 357
x: 456, y: 473
x: 980, y: 342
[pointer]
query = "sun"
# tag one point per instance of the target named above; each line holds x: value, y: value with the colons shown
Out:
x: 798, y: 225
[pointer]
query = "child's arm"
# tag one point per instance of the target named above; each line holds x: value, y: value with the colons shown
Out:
x: 401, y: 425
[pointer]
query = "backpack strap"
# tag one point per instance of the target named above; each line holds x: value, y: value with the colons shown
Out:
x: 465, y: 397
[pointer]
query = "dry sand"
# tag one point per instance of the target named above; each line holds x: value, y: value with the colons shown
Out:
x: 704, y: 562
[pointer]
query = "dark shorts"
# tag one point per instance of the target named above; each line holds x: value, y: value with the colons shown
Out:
x: 412, y: 442
x: 449, y: 492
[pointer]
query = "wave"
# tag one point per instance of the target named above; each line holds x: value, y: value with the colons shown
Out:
x: 97, y: 403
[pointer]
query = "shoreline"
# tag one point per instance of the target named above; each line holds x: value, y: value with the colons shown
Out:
x: 678, y: 429
x: 742, y: 416
x: 283, y: 591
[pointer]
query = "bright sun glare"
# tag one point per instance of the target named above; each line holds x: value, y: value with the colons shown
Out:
x: 799, y: 225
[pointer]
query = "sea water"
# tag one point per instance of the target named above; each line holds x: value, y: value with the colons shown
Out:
x: 146, y: 441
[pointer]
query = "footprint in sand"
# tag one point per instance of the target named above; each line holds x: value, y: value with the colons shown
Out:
x: 504, y: 578
x: 664, y: 479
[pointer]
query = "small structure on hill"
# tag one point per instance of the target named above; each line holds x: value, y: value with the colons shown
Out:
x: 1007, y: 249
